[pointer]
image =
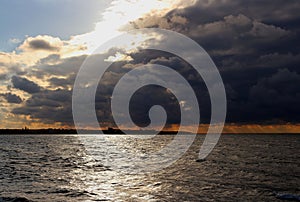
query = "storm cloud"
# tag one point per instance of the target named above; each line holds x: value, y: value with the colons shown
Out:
x: 254, y: 44
x: 50, y: 106
x: 12, y: 98
x: 25, y: 85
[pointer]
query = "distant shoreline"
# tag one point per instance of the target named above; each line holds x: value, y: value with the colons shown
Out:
x: 74, y: 131
x: 109, y: 131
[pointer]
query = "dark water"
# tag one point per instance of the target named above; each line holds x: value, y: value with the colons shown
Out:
x: 241, y: 168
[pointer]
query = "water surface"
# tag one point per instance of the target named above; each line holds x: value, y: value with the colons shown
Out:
x: 58, y: 168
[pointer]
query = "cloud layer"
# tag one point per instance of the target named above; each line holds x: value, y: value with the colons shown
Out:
x: 253, y: 43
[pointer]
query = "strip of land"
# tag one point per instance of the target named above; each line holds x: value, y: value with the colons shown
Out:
x: 74, y: 131
x: 106, y: 131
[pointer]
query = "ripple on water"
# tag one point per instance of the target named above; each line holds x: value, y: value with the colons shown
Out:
x: 58, y: 168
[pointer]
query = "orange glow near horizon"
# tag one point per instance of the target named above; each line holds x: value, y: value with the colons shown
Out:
x: 26, y: 121
x: 247, y: 128
x: 256, y: 128
x: 229, y: 128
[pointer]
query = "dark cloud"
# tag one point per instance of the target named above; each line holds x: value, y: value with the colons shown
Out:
x: 61, y: 68
x: 277, y: 97
x: 253, y: 43
x: 40, y: 44
x: 12, y: 98
x: 25, y: 85
x: 269, y: 11
x: 62, y: 82
x: 143, y: 99
x: 49, y: 106
x: 148, y: 96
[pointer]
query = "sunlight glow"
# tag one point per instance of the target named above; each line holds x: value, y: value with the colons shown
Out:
x: 118, y: 16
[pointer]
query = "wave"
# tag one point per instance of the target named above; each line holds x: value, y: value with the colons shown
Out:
x: 14, y: 199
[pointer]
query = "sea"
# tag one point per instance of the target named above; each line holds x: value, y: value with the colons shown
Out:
x: 252, y: 167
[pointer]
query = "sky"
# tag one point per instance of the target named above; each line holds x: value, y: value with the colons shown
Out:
x: 47, y: 17
x: 254, y: 45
